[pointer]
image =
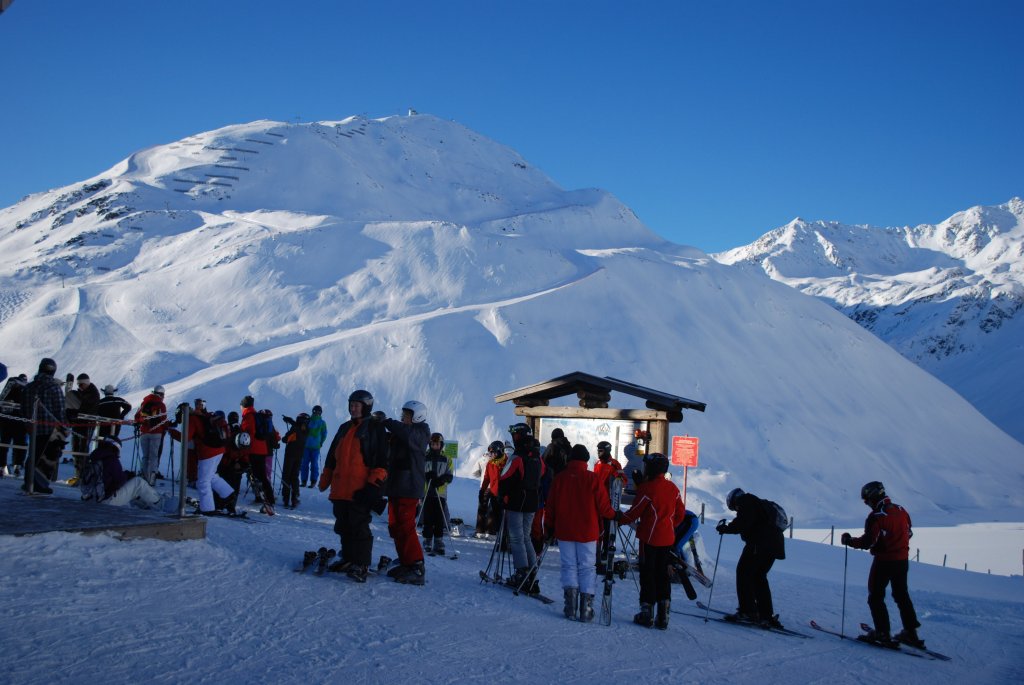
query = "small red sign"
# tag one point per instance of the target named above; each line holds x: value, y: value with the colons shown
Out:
x: 684, y: 450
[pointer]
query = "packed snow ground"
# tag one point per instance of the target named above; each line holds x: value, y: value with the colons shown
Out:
x: 229, y: 609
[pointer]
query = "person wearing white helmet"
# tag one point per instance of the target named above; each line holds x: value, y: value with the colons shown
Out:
x: 114, y: 408
x: 151, y: 421
x: 409, y: 440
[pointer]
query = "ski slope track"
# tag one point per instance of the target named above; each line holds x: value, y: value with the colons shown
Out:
x: 417, y: 259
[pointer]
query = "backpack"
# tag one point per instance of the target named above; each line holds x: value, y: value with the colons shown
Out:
x: 90, y: 479
x: 775, y: 514
x: 216, y: 432
x: 265, y: 429
x: 151, y: 414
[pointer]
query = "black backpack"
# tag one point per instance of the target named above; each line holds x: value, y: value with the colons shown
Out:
x: 265, y: 429
x: 90, y: 480
x: 216, y: 432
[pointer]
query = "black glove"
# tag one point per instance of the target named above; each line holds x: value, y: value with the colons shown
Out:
x: 70, y: 378
x: 638, y: 476
x: 371, y: 497
x: 722, y: 527
x: 844, y: 538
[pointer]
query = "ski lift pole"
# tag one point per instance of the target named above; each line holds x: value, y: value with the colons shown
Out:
x: 184, y: 457
x: 842, y: 620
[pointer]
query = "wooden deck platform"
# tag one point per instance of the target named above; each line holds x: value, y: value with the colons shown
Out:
x: 65, y: 511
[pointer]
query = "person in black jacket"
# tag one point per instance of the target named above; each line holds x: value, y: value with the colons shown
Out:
x: 294, y: 448
x: 764, y: 544
x: 519, y: 491
x: 438, y: 475
x: 12, y: 431
x: 406, y: 476
x: 112, y: 407
x: 86, y: 401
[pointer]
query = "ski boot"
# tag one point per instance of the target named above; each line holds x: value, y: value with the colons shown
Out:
x: 518, y: 579
x: 571, y: 595
x: 416, y: 575
x: 341, y: 566
x: 772, y: 622
x: 879, y: 637
x: 740, y: 617
x: 661, y: 619
x: 358, y: 573
x: 909, y: 637
x: 586, y: 614
x: 645, y: 618
x: 438, y: 547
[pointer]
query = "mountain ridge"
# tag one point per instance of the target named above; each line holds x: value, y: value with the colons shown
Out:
x: 504, y: 279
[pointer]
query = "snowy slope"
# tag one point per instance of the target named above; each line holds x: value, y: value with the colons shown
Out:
x: 417, y: 259
x: 230, y: 610
x: 946, y: 296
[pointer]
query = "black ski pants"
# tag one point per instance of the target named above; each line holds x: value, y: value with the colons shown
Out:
x: 883, y: 572
x: 352, y: 524
x: 290, y: 477
x: 435, y: 516
x: 655, y: 581
x: 752, y: 589
x: 258, y: 466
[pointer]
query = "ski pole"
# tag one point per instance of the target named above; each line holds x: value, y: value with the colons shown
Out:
x: 842, y: 621
x: 448, y: 527
x: 711, y: 592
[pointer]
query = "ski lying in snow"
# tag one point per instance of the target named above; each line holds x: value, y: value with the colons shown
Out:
x: 750, y: 624
x: 501, y: 583
x: 308, y: 559
x: 935, y: 655
x: 239, y: 516
x: 869, y: 643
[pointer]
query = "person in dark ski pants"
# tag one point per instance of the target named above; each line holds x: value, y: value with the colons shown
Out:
x: 356, y: 469
x: 50, y: 429
x: 86, y: 402
x: 12, y: 430
x: 887, y: 533
x: 233, y: 465
x: 519, y: 491
x: 658, y: 508
x: 315, y: 438
x: 258, y: 451
x: 764, y: 545
x: 576, y: 505
x: 406, y: 474
x: 294, y: 448
x: 438, y: 474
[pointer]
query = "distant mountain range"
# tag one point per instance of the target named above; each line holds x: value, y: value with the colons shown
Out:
x: 946, y: 296
x: 420, y: 260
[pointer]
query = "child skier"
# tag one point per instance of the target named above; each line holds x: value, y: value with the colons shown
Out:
x: 438, y: 468
x: 887, y: 533
x: 659, y: 508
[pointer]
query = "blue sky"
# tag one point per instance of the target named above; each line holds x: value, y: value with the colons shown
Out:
x: 714, y: 121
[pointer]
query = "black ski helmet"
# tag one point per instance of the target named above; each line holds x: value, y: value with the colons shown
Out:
x: 520, y: 429
x: 604, y: 447
x: 436, y: 437
x: 232, y: 417
x: 247, y: 402
x: 873, y: 491
x: 47, y: 367
x: 318, y: 409
x: 655, y: 464
x: 364, y: 398
x: 730, y: 499
x: 496, y: 447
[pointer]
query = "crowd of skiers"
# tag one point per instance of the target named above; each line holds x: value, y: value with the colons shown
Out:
x: 527, y: 499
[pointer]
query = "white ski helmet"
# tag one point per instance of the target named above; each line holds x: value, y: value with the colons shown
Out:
x: 158, y: 390
x: 418, y: 409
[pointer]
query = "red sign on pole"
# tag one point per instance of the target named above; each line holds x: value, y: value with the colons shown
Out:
x: 684, y: 450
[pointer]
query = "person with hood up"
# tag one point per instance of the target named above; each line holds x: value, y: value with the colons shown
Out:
x: 575, y: 507
x: 43, y: 399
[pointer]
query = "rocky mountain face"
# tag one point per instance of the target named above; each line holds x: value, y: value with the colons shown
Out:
x: 946, y: 296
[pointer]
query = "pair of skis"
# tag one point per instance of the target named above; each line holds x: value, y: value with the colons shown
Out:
x: 500, y: 582
x: 912, y: 650
x: 615, y: 498
x: 720, y: 617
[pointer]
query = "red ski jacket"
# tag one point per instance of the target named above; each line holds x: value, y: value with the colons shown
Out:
x: 659, y: 507
x: 887, y: 532
x: 577, y: 500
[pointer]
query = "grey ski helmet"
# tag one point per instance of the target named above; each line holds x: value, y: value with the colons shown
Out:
x: 364, y: 398
x: 730, y: 499
x: 418, y: 410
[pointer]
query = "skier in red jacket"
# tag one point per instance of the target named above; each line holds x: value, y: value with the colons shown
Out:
x: 659, y: 507
x: 887, y: 533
